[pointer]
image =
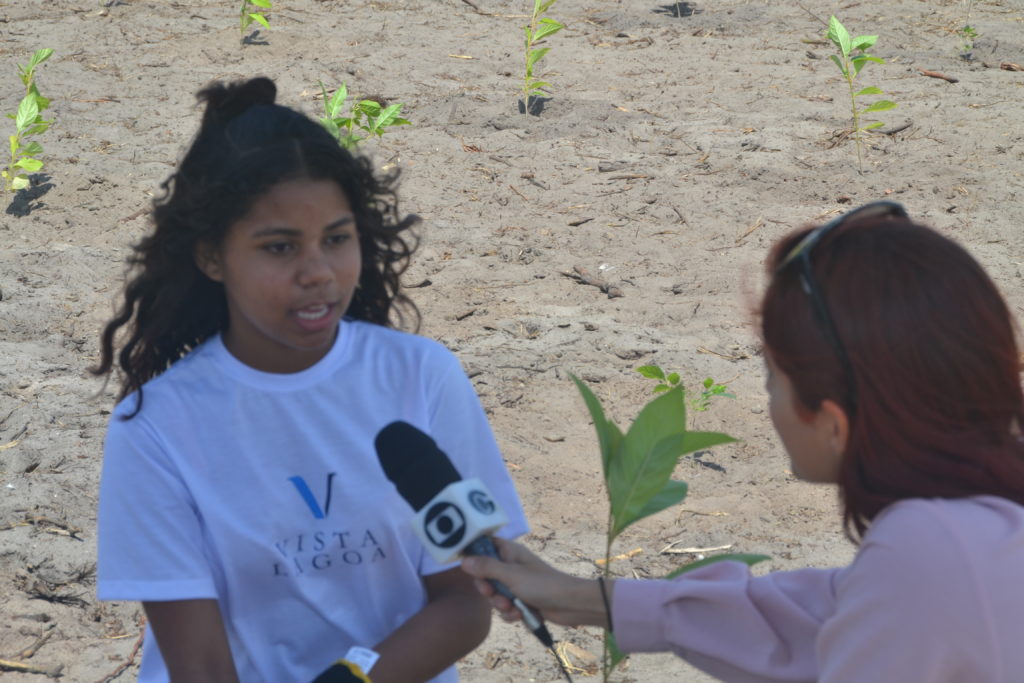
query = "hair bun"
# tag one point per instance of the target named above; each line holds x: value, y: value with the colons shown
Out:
x: 225, y: 101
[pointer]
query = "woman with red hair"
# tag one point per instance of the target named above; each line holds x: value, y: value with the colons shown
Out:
x: 893, y: 373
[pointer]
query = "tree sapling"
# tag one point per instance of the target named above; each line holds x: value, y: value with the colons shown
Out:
x: 852, y: 57
x: 249, y: 13
x: 28, y: 122
x: 369, y: 116
x: 700, y: 403
x: 537, y: 30
x: 638, y: 468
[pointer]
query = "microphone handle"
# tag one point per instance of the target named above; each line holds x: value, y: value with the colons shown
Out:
x: 485, y: 546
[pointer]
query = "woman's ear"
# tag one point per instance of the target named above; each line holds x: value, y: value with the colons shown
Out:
x: 836, y: 427
x: 207, y: 261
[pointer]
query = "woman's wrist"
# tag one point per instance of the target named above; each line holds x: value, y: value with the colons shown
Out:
x: 584, y: 600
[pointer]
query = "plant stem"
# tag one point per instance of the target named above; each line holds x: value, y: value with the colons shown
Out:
x: 606, y: 654
x: 529, y: 47
x: 856, y: 117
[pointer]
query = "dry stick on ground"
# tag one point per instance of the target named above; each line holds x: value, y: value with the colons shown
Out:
x: 29, y: 651
x: 936, y: 74
x: 583, y: 275
x: 51, y: 671
x: 893, y: 131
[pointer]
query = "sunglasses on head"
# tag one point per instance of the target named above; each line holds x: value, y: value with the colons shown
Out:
x: 801, y: 256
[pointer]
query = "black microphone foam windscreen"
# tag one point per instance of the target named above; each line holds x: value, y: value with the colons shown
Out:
x: 412, y: 460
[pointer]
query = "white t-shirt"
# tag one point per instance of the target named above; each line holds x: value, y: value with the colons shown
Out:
x: 264, y: 491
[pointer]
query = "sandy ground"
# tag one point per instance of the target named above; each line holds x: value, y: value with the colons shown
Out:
x: 679, y: 142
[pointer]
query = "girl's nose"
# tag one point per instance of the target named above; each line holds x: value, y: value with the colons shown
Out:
x: 315, y: 269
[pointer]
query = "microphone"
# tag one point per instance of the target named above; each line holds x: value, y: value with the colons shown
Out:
x: 453, y: 515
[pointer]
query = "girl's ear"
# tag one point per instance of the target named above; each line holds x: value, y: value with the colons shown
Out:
x: 207, y: 261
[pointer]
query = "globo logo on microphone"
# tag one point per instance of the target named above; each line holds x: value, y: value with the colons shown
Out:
x: 461, y: 513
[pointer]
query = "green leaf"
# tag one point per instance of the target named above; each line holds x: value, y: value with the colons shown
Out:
x: 699, y: 441
x: 673, y: 494
x: 839, y: 36
x: 651, y: 372
x: 880, y: 105
x: 872, y: 90
x: 839, y: 63
x: 615, y: 654
x: 20, y: 182
x: 31, y: 149
x: 38, y: 128
x: 540, y: 7
x: 648, y: 455
x: 261, y: 3
x: 661, y: 387
x: 30, y: 165
x: 863, y: 42
x: 261, y: 19
x: 337, y: 99
x: 747, y: 558
x: 547, y: 27
x: 28, y: 111
x: 673, y: 378
x: 870, y: 126
x: 331, y: 127
x: 39, y: 57
x: 368, y: 107
x: 535, y: 56
x: 389, y: 115
x: 535, y: 86
x: 605, y: 438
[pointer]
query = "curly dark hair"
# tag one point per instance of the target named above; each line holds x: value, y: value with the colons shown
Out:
x: 246, y: 144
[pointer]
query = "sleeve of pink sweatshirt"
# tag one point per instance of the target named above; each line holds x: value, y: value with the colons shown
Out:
x: 934, y: 595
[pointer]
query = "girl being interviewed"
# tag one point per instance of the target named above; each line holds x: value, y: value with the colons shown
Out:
x: 242, y: 499
x: 893, y: 374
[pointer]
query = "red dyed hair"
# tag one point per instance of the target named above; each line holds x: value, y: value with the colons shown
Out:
x: 936, y: 368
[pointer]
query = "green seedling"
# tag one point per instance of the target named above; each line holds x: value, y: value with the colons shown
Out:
x: 28, y: 123
x: 537, y: 30
x: 852, y: 57
x: 249, y: 12
x: 967, y: 35
x: 638, y: 467
x: 700, y: 403
x: 369, y: 117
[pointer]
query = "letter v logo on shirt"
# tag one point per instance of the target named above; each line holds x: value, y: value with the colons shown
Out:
x: 310, y: 499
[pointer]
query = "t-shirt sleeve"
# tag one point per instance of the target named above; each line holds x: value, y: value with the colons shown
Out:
x: 908, y: 608
x: 727, y: 622
x: 150, y: 532
x: 459, y: 425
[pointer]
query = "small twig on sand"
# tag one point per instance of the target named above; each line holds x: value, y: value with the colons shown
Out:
x: 897, y: 129
x: 824, y: 23
x: 51, y: 671
x: 1010, y: 66
x: 583, y: 275
x: 937, y: 74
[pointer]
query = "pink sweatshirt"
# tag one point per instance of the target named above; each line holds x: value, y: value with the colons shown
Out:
x: 935, y: 594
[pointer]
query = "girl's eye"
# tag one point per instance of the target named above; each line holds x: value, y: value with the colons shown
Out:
x: 338, y: 238
x: 277, y: 247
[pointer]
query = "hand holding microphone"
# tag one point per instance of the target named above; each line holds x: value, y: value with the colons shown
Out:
x: 564, y: 599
